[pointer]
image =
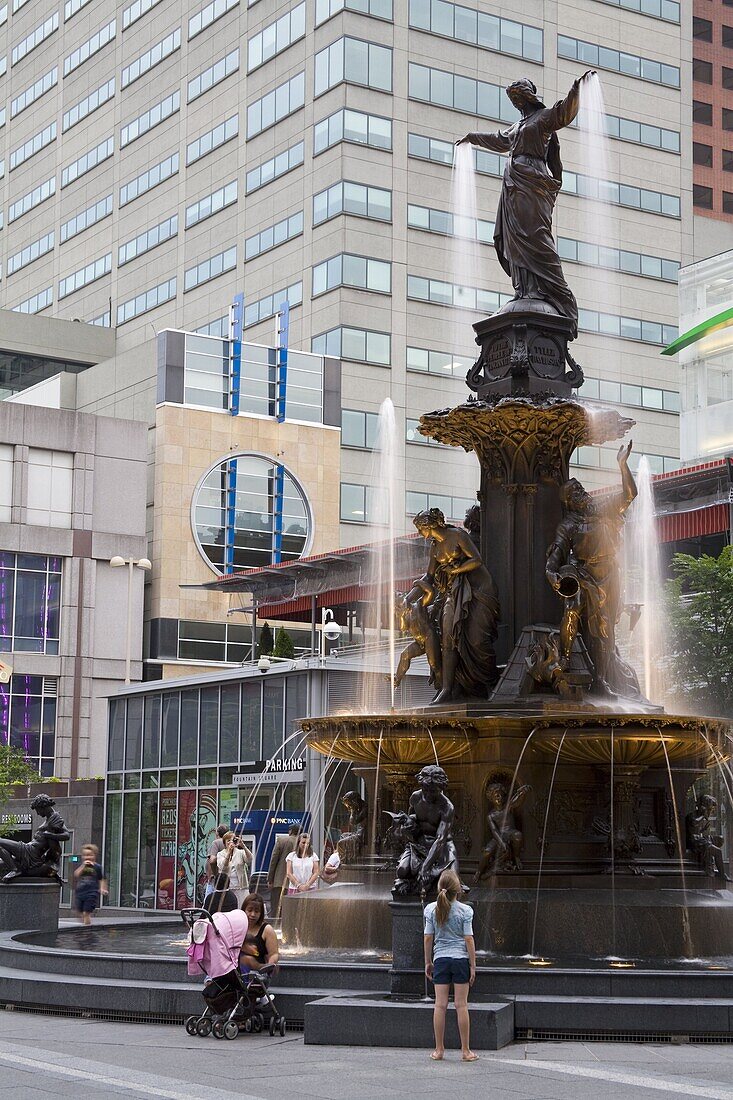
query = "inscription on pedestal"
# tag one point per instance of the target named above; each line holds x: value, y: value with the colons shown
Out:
x: 547, y: 357
x: 497, y: 358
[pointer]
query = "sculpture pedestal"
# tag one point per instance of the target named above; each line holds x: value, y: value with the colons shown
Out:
x: 29, y: 905
x: 408, y: 962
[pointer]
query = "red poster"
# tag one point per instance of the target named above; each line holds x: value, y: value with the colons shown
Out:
x: 167, y: 849
x: 196, y: 831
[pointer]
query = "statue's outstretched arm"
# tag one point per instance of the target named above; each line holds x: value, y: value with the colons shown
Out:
x: 565, y: 110
x: 498, y: 142
x: 629, y: 491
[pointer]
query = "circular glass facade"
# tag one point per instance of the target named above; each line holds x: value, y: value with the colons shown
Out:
x: 249, y: 512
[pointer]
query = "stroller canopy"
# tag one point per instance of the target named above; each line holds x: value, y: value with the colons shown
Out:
x: 220, y: 952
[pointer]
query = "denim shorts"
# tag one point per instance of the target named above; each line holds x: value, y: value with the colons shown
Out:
x: 448, y: 971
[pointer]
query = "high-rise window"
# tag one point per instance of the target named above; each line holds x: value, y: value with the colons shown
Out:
x: 276, y: 37
x: 97, y: 269
x: 284, y: 230
x: 702, y: 196
x: 356, y: 62
x: 352, y: 126
x: 460, y: 93
x: 481, y: 29
x: 702, y: 29
x: 727, y: 78
x: 352, y: 198
x: 702, y: 113
x: 272, y: 520
x: 727, y: 202
x: 358, y: 344
x: 30, y: 603
x: 702, y: 154
x: 50, y: 476
x: 702, y: 71
x: 728, y: 160
x: 727, y: 37
x: 357, y: 271
x: 274, y: 167
x: 326, y: 9
x: 276, y: 105
x: 642, y: 68
x: 28, y: 718
x: 727, y: 118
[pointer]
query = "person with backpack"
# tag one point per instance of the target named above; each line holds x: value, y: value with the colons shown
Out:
x: 450, y: 959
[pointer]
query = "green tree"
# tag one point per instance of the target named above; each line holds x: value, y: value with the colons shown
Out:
x: 265, y: 643
x: 14, y: 770
x: 700, y: 614
x: 283, y: 644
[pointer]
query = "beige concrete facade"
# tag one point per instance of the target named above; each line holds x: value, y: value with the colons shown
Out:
x: 188, y: 442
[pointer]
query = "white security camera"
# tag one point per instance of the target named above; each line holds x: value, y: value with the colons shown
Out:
x: 332, y: 631
x: 264, y: 664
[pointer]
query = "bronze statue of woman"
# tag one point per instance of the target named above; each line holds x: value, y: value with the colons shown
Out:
x: 466, y: 605
x: 532, y: 179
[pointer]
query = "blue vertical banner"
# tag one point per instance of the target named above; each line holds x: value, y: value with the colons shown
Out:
x: 231, y: 515
x: 236, y: 317
x: 283, y: 333
x: 277, y: 514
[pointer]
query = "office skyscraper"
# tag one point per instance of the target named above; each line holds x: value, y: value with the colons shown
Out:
x: 161, y: 156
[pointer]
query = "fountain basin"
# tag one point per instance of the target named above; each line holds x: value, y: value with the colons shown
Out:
x: 390, y: 739
x: 634, y: 740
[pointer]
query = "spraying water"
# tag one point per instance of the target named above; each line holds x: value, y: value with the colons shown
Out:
x: 645, y: 589
x: 381, y: 571
x: 465, y: 249
x: 597, y: 223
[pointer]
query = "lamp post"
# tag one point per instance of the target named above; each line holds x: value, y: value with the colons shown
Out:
x: 142, y: 563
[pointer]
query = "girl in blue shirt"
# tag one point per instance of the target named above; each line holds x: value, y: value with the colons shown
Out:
x: 450, y: 959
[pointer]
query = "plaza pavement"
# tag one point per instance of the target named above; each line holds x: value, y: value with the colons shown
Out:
x: 47, y: 1056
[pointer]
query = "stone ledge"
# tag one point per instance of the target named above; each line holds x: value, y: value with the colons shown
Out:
x: 381, y: 1022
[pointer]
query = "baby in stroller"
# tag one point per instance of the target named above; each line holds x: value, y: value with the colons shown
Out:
x: 233, y: 1000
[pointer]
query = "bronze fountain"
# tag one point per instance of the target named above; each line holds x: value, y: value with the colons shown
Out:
x: 561, y: 777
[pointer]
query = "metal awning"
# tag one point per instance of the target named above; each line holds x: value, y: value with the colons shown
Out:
x: 323, y: 573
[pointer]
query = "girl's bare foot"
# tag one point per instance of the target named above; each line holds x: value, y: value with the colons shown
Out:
x: 437, y: 1055
x: 469, y: 1056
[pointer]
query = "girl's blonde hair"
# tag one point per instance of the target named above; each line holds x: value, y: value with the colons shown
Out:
x: 449, y: 889
x: 90, y: 848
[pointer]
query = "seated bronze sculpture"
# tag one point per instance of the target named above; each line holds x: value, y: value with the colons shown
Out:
x: 426, y: 831
x: 708, y: 846
x: 504, y: 848
x: 351, y: 842
x: 41, y: 856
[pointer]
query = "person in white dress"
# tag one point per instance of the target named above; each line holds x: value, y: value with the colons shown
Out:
x: 303, y: 867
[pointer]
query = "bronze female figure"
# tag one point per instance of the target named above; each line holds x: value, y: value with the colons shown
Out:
x: 532, y: 179
x: 466, y: 604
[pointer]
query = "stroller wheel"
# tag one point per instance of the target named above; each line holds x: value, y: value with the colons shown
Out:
x: 218, y: 1029
x: 248, y: 1024
x: 272, y: 1026
x: 203, y: 1027
x: 231, y: 1031
x: 258, y: 1022
x: 282, y: 1026
x: 190, y: 1025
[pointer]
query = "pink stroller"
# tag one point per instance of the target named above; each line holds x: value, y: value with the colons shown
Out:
x: 232, y: 1001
